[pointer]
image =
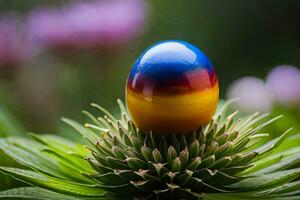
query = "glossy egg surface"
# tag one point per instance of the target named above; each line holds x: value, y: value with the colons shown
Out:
x: 172, y: 88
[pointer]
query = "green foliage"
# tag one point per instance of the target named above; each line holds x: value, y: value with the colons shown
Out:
x: 9, y: 126
x: 223, y: 160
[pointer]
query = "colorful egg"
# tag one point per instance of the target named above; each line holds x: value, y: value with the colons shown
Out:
x: 172, y: 88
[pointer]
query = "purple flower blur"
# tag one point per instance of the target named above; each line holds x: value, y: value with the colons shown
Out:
x: 252, y: 93
x: 284, y: 82
x: 89, y: 25
x: 14, y: 45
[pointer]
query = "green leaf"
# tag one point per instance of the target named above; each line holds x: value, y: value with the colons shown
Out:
x: 267, y: 148
x: 67, y: 151
x: 244, y: 196
x: 123, y: 111
x: 85, y: 132
x: 72, y: 171
x: 55, y: 184
x: 52, y: 160
x: 35, y: 193
x: 26, y: 152
x: 106, y: 112
x: 267, y: 180
x: 212, y: 196
x: 92, y: 118
x: 290, y: 142
x: 271, y: 160
x: 288, y: 188
x: 285, y: 163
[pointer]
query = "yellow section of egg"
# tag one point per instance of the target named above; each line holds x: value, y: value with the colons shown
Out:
x: 177, y: 114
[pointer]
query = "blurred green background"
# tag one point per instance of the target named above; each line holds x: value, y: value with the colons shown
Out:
x: 242, y: 38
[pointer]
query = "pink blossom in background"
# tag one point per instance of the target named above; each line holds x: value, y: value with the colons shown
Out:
x: 284, y: 82
x: 252, y: 93
x: 14, y: 44
x: 87, y: 25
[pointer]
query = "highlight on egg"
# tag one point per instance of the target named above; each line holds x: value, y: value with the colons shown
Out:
x: 172, y: 88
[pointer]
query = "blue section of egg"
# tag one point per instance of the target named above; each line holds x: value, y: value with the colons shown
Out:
x: 170, y: 59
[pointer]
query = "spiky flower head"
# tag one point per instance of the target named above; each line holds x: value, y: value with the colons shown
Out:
x: 222, y: 160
